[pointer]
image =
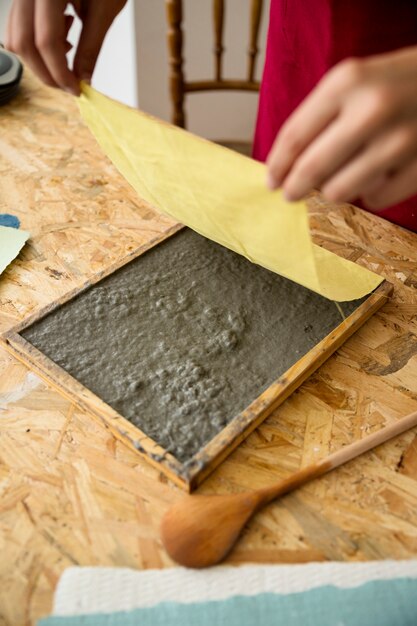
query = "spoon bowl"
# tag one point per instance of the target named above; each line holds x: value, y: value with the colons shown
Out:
x: 199, y: 531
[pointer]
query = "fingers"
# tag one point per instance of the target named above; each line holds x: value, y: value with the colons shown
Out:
x: 311, y: 118
x: 91, y: 39
x: 37, y: 30
x: 335, y: 140
x: 397, y: 188
x: 20, y: 38
x: 97, y: 18
x: 327, y: 154
x: 371, y: 168
x: 336, y: 145
x: 50, y: 38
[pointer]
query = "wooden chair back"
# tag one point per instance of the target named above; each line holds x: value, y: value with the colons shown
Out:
x: 179, y: 86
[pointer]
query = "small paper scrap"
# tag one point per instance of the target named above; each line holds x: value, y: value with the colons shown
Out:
x: 220, y: 194
x: 12, y: 241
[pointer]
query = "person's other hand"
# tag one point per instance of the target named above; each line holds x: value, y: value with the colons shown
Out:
x: 355, y: 135
x: 37, y: 31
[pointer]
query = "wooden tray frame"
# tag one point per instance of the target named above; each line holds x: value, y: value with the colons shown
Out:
x: 190, y: 474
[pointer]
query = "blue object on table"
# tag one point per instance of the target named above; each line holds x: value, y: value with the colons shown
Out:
x: 376, y: 603
x: 6, y: 219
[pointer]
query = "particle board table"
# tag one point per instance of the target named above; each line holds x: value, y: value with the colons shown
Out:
x: 71, y: 494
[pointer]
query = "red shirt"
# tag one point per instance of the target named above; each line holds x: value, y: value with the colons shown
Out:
x: 306, y: 38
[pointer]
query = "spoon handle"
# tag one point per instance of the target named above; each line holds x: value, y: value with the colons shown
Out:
x: 345, y: 454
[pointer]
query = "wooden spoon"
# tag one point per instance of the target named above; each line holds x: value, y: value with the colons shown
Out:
x: 200, y: 531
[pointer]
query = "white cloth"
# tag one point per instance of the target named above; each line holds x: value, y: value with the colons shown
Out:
x: 86, y: 590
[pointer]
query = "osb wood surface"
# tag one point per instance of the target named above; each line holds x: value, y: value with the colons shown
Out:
x: 72, y: 494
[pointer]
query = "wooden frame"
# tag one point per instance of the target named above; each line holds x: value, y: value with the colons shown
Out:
x: 190, y: 474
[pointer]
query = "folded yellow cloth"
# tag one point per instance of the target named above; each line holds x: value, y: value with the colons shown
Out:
x: 221, y: 195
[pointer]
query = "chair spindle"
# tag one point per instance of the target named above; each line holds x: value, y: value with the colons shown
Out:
x: 256, y: 14
x: 218, y: 15
x: 176, y: 79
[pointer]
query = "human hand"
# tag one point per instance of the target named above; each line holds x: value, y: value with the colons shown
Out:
x: 355, y: 135
x: 37, y: 31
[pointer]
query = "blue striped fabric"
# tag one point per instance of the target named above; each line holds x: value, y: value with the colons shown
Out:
x: 376, y: 603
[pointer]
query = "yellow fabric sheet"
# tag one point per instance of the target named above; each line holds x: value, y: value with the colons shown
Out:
x: 221, y: 195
